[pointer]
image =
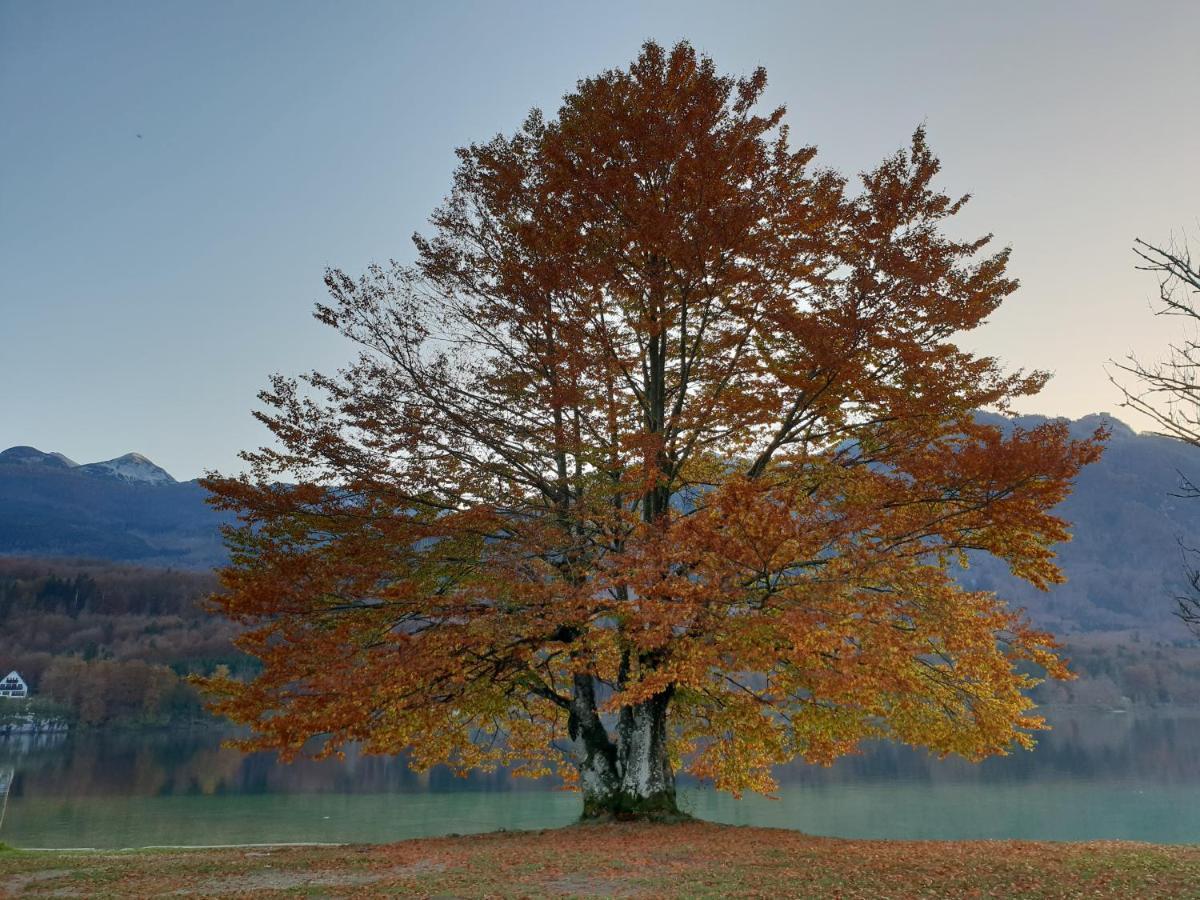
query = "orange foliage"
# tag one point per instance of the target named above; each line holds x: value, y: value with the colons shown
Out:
x: 661, y: 413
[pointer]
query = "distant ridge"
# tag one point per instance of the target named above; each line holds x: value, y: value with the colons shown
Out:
x: 31, y: 456
x: 125, y: 509
x: 130, y: 467
x: 1123, y: 566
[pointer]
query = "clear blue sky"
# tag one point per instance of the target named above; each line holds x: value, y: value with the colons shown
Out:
x: 149, y: 284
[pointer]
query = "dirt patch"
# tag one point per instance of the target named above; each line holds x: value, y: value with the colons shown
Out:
x: 269, y: 879
x: 592, y: 886
x: 15, y: 885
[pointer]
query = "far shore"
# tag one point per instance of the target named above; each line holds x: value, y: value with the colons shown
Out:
x: 221, y: 727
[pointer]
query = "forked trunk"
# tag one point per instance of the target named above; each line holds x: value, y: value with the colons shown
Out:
x: 633, y: 778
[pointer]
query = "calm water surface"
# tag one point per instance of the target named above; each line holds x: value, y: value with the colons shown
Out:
x: 1096, y: 776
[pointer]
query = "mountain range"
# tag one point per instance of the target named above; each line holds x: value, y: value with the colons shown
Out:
x: 132, y: 467
x: 126, y: 509
x: 1124, y: 565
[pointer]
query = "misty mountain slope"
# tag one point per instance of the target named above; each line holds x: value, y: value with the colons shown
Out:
x: 1123, y: 564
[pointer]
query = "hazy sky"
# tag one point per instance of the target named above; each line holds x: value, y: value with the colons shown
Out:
x: 174, y: 177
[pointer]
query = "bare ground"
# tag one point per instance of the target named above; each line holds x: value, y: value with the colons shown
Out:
x: 693, y: 859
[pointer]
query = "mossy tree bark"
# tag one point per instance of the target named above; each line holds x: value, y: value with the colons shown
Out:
x: 629, y: 777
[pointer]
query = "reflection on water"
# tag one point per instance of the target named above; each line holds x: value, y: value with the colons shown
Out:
x: 1094, y: 776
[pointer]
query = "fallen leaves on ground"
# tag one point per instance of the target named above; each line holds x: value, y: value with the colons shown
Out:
x: 694, y: 859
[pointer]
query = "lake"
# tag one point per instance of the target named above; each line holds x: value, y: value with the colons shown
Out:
x: 1095, y: 776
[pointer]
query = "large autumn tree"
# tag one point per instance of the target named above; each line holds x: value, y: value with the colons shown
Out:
x: 656, y: 458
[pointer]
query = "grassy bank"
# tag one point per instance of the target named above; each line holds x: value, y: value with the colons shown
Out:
x: 687, y: 860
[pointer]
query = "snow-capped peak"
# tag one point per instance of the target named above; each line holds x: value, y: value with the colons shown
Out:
x: 31, y: 456
x: 130, y: 467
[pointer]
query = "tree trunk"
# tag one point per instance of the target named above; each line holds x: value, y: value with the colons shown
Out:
x: 633, y: 778
x: 647, y: 779
x: 595, y: 755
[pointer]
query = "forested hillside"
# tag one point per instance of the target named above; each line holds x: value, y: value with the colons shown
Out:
x: 112, y: 640
x: 111, y: 643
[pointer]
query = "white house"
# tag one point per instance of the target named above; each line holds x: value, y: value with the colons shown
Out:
x: 13, y: 685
